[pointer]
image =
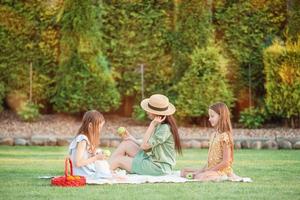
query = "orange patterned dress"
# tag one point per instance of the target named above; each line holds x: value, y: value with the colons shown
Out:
x: 215, y: 152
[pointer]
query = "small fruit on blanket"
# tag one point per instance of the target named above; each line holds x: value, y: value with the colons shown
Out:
x: 77, y: 177
x: 70, y: 178
x: 121, y: 131
x: 107, y: 153
x: 189, y: 176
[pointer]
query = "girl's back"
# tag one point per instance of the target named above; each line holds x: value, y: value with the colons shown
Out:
x: 87, y: 170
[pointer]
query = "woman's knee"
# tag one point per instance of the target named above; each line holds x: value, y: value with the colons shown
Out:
x: 122, y: 147
x: 126, y: 143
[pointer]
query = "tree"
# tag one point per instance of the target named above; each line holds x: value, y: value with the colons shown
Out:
x: 84, y: 79
x: 203, y: 83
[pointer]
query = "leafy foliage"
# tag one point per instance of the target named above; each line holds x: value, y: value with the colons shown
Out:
x: 282, y: 68
x: 138, y: 113
x: 2, y: 94
x: 293, y: 21
x: 84, y: 54
x: 192, y: 27
x: 29, y: 112
x: 83, y: 80
x: 134, y: 35
x: 24, y: 40
x: 247, y: 27
x: 252, y: 118
x: 203, y: 83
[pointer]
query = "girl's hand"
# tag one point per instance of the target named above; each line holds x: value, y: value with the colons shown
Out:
x: 100, y: 156
x: 158, y: 120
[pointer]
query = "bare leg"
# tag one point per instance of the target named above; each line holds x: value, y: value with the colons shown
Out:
x: 208, y: 176
x: 127, y: 147
x: 123, y: 155
x: 123, y: 162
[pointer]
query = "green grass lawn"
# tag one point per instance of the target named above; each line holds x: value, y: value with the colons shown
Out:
x: 276, y: 175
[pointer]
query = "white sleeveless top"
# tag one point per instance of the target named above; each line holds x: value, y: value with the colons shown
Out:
x: 88, y: 170
x: 95, y: 170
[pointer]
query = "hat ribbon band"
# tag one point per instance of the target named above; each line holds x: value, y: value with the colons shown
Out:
x: 157, y: 109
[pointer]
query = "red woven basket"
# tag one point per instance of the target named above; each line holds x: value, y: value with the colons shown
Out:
x: 68, y: 180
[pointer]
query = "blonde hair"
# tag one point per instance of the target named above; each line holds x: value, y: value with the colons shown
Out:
x: 95, y: 118
x: 224, y: 123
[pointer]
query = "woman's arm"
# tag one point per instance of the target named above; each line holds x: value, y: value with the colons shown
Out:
x: 157, y: 120
x: 226, y: 159
x: 81, y: 146
x: 147, y: 135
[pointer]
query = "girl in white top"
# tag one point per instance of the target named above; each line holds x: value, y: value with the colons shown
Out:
x: 82, y: 149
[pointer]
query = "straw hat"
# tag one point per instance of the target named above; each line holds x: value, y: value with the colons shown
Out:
x: 158, y: 104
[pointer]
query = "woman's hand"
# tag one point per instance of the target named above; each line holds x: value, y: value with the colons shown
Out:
x: 158, y: 120
x: 127, y: 136
x: 145, y: 146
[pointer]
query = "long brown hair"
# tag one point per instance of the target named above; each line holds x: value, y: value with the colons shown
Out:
x: 172, y: 122
x: 224, y: 123
x: 95, y: 118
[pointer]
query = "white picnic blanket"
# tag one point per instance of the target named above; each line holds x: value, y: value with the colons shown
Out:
x: 174, y: 177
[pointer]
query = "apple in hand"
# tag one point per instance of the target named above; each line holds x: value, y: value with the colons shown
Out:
x: 107, y: 153
x: 121, y: 131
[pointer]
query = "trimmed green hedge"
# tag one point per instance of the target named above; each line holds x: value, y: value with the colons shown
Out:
x: 192, y: 27
x: 203, y: 83
x: 293, y: 22
x: 25, y: 38
x: 134, y: 33
x: 86, y: 53
x: 83, y: 80
x: 2, y: 95
x: 247, y: 27
x: 282, y: 68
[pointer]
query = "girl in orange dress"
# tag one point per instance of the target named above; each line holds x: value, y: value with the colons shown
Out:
x: 220, y: 153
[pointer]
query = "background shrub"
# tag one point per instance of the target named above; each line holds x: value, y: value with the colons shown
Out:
x: 203, y: 83
x: 282, y: 68
x: 252, y: 118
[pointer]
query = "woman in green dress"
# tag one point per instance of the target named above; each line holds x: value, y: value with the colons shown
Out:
x: 157, y: 153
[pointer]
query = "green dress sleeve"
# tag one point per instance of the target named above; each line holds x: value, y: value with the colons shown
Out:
x: 160, y: 135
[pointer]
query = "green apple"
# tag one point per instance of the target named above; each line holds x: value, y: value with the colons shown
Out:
x: 189, y: 176
x: 121, y: 131
x: 107, y: 153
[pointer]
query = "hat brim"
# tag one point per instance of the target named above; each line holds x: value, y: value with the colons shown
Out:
x: 170, y: 111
